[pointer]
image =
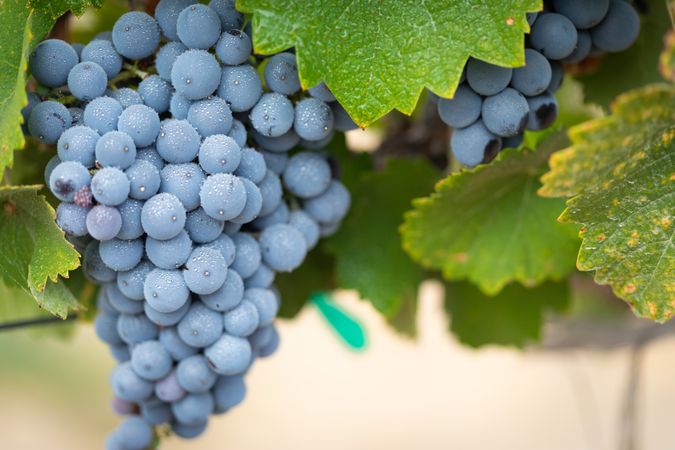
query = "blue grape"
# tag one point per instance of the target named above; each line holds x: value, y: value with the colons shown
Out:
x: 163, y: 216
x: 261, y: 337
x: 543, y: 111
x: 226, y: 246
x: 165, y: 319
x: 343, y: 122
x: 228, y: 392
x: 195, y: 74
x: 134, y: 433
x: 121, y: 255
x: 322, y: 92
x: 210, y: 116
x: 238, y: 133
x: 584, y: 14
x: 120, y: 352
x: 72, y: 219
x: 135, y: 35
x: 531, y: 18
x: 304, y: 223
x: 234, y: 47
x: 48, y: 120
x: 248, y: 256
x: 271, y: 347
x: 167, y: 12
x: 183, y: 181
x: 557, y: 74
x: 243, y: 320
x: 144, y: 179
x: 141, y: 123
x: 76, y: 116
x: 176, y: 347
x: 130, y: 211
x: 462, y: 109
x: 485, y: 78
x: 240, y: 87
x: 167, y: 389
x: 321, y: 143
x: 102, y: 114
x: 275, y: 162
x: 51, y: 61
x: 165, y: 290
x: 156, y: 93
x: 135, y: 328
x: 205, y: 270
x: 201, y: 326
x: 271, y: 192
x: 32, y: 100
x: 115, y: 149
x: 170, y: 253
x: 273, y: 115
x: 279, y: 144
x: 231, y: 228
x: 193, y: 408
x: 129, y: 386
x: 254, y: 202
x: 229, y: 355
x: 332, y: 205
x: 535, y: 77
x: 223, y: 196
x: 166, y: 56
x: 281, y: 74
x: 68, y: 178
x: 307, y: 175
x: 178, y: 141
x: 470, y: 145
x: 127, y: 97
x: 619, y: 29
x: 313, y: 119
x: 261, y: 278
x: 87, y: 80
x: 78, y: 48
x: 150, y: 360
x: 130, y: 283
x: 198, y: 26
x: 103, y: 35
x: 230, y: 18
x: 505, y: 114
x: 251, y: 165
x: 279, y: 215
x: 194, y: 375
x: 265, y: 302
x: 103, y: 53
x: 92, y: 264
x: 283, y: 247
x: 203, y: 228
x: 110, y: 186
x: 219, y: 154
x: 120, y: 302
x: 103, y: 222
x: 553, y: 35
x: 189, y: 430
x: 105, y: 326
x: 328, y: 229
x: 78, y: 144
x: 513, y: 141
x: 179, y: 106
x: 156, y: 412
x: 150, y: 155
x: 582, y: 50
x: 228, y: 296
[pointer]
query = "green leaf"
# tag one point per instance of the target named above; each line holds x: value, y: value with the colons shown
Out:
x: 377, y: 55
x: 667, y: 58
x: 33, y: 249
x: 514, y: 317
x: 56, y: 8
x: 622, y: 170
x: 488, y: 225
x: 367, y: 248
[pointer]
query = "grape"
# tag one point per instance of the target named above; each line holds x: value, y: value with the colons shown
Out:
x: 228, y: 296
x: 179, y: 106
x: 78, y: 144
x: 115, y: 149
x: 230, y: 18
x: 261, y: 278
x: 307, y: 175
x: 102, y: 114
x: 92, y: 264
x: 150, y: 155
x: 189, y: 431
x: 76, y: 116
x: 68, y: 178
x: 513, y: 141
x: 226, y: 246
x: 321, y: 143
x: 343, y: 122
x: 178, y: 142
x: 156, y: 93
x: 305, y: 225
x: 228, y: 392
x: 201, y: 326
x: 166, y: 57
x: 130, y: 283
x: 505, y: 114
x: 531, y: 18
x: 135, y: 35
x: 619, y: 29
x: 127, y: 97
x: 103, y: 222
x: 254, y: 202
x: 275, y: 162
x: 103, y: 53
x: 103, y: 35
x: 238, y: 133
x: 283, y: 247
x: 78, y: 48
x: 471, y: 144
x: 33, y: 99
x: 219, y: 154
x: 582, y: 50
x: 120, y: 302
x: 543, y: 111
x: 110, y: 186
x: 210, y: 116
x: 271, y: 347
x: 241, y: 321
x: 156, y: 412
x: 194, y: 375
x: 331, y: 206
x: 174, y: 344
x: 87, y: 80
x: 50, y: 166
x: 167, y: 12
x: 120, y: 352
x: 205, y: 271
x: 167, y: 389
x: 326, y: 230
x: 150, y: 360
x: 462, y: 109
x: 557, y: 74
x: 105, y: 326
x: 554, y: 36
x: 313, y: 119
x: 251, y: 165
x: 144, y: 179
x: 229, y: 355
x: 281, y: 74
x: 129, y: 386
x: 535, y: 77
x: 121, y: 255
x: 485, y: 78
x: 265, y: 302
x: 248, y: 257
x: 198, y: 26
x: 273, y: 115
x: 203, y: 228
x: 183, y: 181
x: 193, y: 408
x: 48, y: 120
x: 195, y: 74
x: 141, y: 123
x: 171, y: 253
x: 223, y: 196
x: 584, y: 14
x: 163, y: 216
x: 134, y: 433
x: 240, y: 87
x: 165, y: 290
x: 165, y: 319
x: 279, y: 215
x: 51, y: 61
x: 322, y: 92
x: 234, y: 47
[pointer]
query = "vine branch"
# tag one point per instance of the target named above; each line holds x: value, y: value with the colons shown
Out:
x: 13, y: 325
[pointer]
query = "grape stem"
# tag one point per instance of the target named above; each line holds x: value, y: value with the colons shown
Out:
x: 13, y: 325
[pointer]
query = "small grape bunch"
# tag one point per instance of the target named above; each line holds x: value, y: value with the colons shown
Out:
x: 187, y: 181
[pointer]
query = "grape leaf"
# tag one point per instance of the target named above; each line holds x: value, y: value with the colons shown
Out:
x: 33, y: 249
x: 55, y: 8
x: 621, y: 171
x: 367, y: 248
x: 667, y: 58
x: 514, y: 317
x: 489, y: 226
x: 378, y: 55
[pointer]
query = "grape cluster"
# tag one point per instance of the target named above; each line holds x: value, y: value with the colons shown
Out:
x: 183, y: 223
x: 493, y: 105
